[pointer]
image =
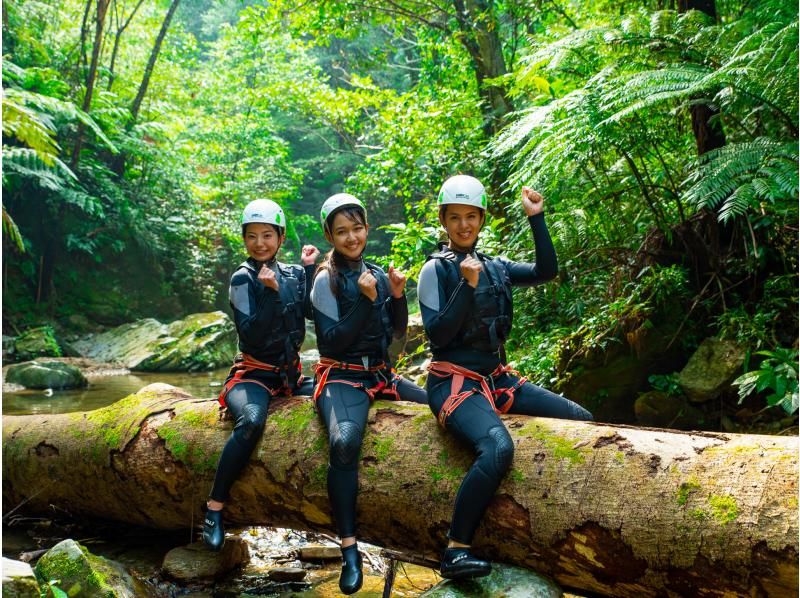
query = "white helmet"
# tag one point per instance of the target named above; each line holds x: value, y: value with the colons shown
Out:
x: 335, y: 202
x: 463, y: 189
x: 265, y: 211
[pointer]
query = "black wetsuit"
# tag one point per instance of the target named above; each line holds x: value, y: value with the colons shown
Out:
x: 353, y: 329
x: 272, y: 333
x: 467, y: 327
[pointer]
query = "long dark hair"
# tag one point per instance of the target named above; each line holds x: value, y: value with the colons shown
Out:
x: 334, y: 261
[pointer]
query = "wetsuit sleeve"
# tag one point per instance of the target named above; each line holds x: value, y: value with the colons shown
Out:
x: 309, y: 272
x: 253, y: 313
x: 338, y: 330
x: 546, y: 266
x: 399, y: 315
x: 442, y: 316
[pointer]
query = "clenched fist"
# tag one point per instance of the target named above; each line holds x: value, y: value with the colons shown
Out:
x: 267, y: 278
x: 367, y: 284
x: 471, y: 270
x: 309, y: 255
x: 532, y: 201
x: 397, y: 281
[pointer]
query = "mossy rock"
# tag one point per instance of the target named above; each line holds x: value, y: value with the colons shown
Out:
x: 199, y: 342
x: 46, y: 374
x: 503, y: 582
x: 711, y: 369
x: 19, y: 580
x: 36, y: 342
x: 80, y: 573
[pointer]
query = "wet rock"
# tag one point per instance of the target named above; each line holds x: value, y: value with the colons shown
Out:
x: 195, y: 561
x: 46, y: 374
x: 19, y: 580
x: 80, y: 573
x: 319, y: 553
x: 711, y: 369
x: 504, y: 581
x: 286, y: 574
x: 36, y: 342
x: 128, y: 345
x: 199, y: 342
x: 660, y: 410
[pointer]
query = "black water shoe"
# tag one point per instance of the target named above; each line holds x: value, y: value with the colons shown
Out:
x: 458, y: 563
x: 351, y: 578
x: 213, y: 530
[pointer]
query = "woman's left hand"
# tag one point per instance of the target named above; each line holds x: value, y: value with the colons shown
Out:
x: 532, y: 201
x: 309, y: 255
x: 397, y: 280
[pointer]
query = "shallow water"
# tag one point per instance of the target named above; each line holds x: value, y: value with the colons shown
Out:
x: 106, y: 389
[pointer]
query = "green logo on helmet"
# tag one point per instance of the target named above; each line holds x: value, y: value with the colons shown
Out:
x: 278, y: 218
x: 441, y: 197
x: 483, y: 199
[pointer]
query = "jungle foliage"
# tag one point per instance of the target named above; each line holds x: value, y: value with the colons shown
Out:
x: 663, y: 136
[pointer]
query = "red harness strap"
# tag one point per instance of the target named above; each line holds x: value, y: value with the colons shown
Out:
x: 243, y: 364
x: 444, y: 369
x: 325, y: 365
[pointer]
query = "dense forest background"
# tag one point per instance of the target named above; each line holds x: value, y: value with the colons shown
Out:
x: 662, y: 134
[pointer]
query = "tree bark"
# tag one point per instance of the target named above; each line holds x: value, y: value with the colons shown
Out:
x: 91, y: 77
x: 614, y: 511
x: 118, y: 164
x: 707, y: 128
x: 121, y: 27
x: 479, y: 34
x: 151, y: 63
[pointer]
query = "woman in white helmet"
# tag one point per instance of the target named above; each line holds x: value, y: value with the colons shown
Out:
x: 466, y: 303
x: 269, y: 300
x: 357, y: 310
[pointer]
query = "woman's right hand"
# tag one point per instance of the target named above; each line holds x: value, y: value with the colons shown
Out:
x: 367, y: 284
x: 471, y: 270
x: 267, y: 278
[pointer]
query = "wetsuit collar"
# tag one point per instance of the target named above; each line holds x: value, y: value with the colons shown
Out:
x: 355, y: 265
x: 256, y: 265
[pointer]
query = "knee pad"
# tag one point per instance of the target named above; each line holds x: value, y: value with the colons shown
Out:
x: 250, y: 423
x: 503, y: 448
x: 345, y: 445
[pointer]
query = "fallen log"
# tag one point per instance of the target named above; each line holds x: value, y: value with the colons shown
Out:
x: 615, y: 511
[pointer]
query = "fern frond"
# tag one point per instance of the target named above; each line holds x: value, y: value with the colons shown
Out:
x: 26, y: 162
x: 10, y: 228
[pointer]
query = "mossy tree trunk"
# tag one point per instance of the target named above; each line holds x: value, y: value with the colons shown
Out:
x: 612, y: 510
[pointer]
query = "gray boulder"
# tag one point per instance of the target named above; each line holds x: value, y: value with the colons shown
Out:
x: 711, y: 369
x: 46, y: 374
x: 80, y: 573
x: 195, y: 561
x: 503, y: 582
x: 19, y: 580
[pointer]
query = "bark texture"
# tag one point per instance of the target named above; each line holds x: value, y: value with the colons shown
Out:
x: 609, y: 510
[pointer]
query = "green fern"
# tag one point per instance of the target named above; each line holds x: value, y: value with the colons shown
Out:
x: 738, y: 176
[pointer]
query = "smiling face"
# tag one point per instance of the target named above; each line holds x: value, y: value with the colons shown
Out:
x: 348, y: 233
x: 463, y: 224
x: 262, y: 241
